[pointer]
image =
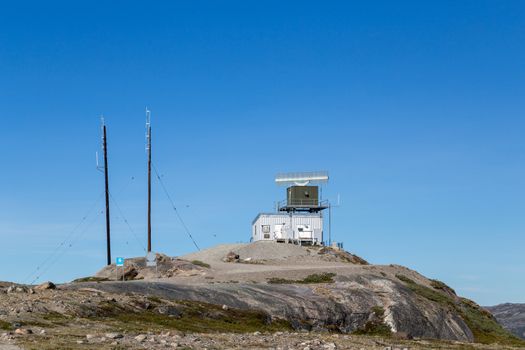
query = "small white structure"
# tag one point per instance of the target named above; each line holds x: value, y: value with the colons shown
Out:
x: 304, y: 228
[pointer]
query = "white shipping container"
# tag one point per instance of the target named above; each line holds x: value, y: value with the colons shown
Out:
x: 306, y: 227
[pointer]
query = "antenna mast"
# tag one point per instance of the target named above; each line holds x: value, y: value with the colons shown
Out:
x: 106, y: 177
x: 148, y: 149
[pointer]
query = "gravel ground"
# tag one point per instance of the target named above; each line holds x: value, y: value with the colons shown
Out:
x: 267, y: 341
x: 264, y: 251
x: 214, y: 254
x: 9, y: 347
x: 272, y: 251
x: 270, y: 259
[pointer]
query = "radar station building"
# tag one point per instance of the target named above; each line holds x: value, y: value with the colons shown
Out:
x: 299, y: 218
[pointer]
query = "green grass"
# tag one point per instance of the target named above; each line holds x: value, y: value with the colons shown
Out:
x: 6, y: 326
x: 200, y: 263
x: 276, y: 280
x: 195, y: 317
x: 438, y: 284
x: 55, y: 317
x: 442, y: 286
x: 49, y: 320
x: 483, y: 325
x: 426, y: 292
x: 326, y: 277
x: 154, y: 299
x: 377, y: 326
x: 379, y: 311
x: 374, y: 328
x: 46, y: 320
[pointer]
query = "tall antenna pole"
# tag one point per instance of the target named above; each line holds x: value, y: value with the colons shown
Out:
x: 148, y: 148
x: 106, y: 176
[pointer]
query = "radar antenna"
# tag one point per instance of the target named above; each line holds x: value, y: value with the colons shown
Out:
x: 302, y: 179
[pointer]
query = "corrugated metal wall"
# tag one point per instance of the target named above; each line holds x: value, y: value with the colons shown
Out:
x: 275, y: 221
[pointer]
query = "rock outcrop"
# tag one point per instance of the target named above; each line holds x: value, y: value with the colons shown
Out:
x: 511, y: 316
x: 308, y: 288
x: 346, y: 306
x: 135, y: 269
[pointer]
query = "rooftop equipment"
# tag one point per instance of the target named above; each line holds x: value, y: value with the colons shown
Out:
x: 301, y: 194
x: 299, y: 218
x: 302, y: 179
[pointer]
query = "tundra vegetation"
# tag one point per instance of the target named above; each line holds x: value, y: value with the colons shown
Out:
x: 482, y: 323
x: 297, y: 299
x: 325, y: 277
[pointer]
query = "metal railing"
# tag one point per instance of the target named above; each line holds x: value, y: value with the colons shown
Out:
x: 302, y: 203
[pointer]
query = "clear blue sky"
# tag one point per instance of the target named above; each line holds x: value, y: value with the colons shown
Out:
x: 416, y: 108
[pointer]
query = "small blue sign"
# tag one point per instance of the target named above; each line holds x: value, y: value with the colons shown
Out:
x: 120, y: 261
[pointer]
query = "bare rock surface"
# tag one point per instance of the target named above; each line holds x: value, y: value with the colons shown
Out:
x: 345, y: 306
x: 350, y: 302
x: 135, y: 269
x: 511, y: 316
x: 46, y: 285
x: 270, y: 295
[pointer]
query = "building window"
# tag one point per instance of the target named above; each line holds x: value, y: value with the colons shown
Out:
x: 266, y: 229
x: 266, y: 236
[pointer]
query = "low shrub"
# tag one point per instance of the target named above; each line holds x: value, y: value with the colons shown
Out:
x: 6, y: 326
x: 442, y: 286
x: 196, y: 317
x: 325, y: 277
x: 376, y: 326
x: 201, y: 263
x: 426, y: 292
x: 91, y: 279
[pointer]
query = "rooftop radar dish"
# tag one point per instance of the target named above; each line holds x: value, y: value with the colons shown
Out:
x: 302, y: 179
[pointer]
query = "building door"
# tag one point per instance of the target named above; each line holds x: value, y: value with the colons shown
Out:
x: 280, y: 231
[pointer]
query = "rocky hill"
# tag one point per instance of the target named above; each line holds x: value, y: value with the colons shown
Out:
x: 333, y: 298
x: 511, y: 316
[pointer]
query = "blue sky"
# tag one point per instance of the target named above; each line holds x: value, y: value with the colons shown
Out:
x: 415, y: 108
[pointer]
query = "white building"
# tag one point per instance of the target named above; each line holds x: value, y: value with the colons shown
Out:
x: 298, y: 227
x: 299, y: 218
